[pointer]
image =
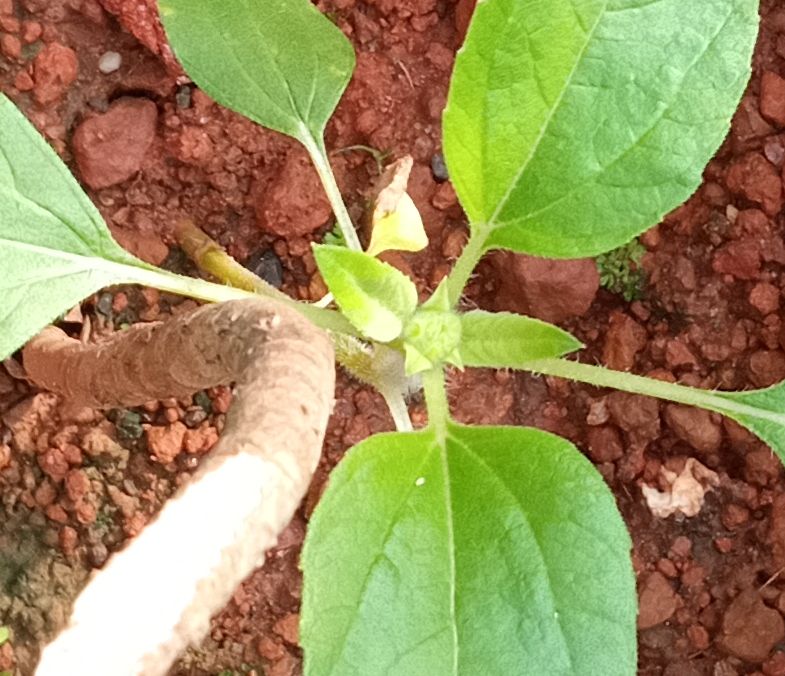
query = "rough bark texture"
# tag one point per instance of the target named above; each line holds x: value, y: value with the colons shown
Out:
x: 157, y: 596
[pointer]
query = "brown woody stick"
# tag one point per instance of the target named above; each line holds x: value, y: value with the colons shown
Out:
x: 157, y: 596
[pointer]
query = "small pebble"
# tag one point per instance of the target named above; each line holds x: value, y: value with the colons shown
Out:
x: 109, y: 62
x: 98, y: 554
x: 183, y: 97
x: 203, y: 401
x: 267, y: 265
x: 439, y: 167
x: 128, y: 424
x: 194, y: 416
x: 104, y: 304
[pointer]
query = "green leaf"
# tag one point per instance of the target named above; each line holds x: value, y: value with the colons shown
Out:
x: 278, y: 62
x: 574, y: 125
x: 767, y: 420
x: 431, y: 338
x: 55, y: 249
x: 506, y: 340
x: 5, y: 634
x: 433, y: 335
x: 375, y: 297
x: 491, y: 551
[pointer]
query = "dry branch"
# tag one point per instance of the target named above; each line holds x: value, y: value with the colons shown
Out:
x: 157, y: 596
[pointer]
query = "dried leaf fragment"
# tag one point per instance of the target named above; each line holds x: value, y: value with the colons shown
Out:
x: 686, y: 490
x: 396, y: 222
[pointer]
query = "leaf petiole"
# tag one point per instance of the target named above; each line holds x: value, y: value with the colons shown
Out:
x: 629, y: 382
x: 321, y: 162
x: 466, y: 263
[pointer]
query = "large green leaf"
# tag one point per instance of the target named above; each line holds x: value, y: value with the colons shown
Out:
x: 506, y: 340
x: 278, y: 62
x: 374, y: 296
x: 493, y: 551
x: 573, y: 125
x: 54, y: 246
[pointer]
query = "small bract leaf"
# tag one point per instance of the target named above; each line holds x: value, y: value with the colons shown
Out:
x: 278, y: 62
x: 55, y: 249
x: 574, y: 125
x: 506, y: 340
x: 415, y: 361
x: 374, y: 296
x: 435, y: 337
x: 397, y: 224
x: 491, y: 551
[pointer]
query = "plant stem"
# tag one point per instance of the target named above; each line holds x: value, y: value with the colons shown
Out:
x: 210, y: 257
x: 467, y: 261
x: 436, y: 400
x: 381, y: 368
x: 628, y: 382
x: 318, y: 153
x: 398, y: 410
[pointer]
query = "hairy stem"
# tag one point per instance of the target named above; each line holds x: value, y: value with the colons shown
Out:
x: 380, y: 367
x: 157, y: 596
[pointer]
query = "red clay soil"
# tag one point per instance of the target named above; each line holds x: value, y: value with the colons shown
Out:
x: 150, y: 148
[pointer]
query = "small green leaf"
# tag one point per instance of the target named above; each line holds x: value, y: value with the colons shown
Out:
x: 278, y: 62
x: 55, y: 249
x: 5, y: 634
x: 431, y: 337
x: 574, y: 125
x: 493, y: 551
x: 415, y: 361
x: 374, y: 296
x: 767, y: 421
x: 506, y: 340
x: 621, y: 271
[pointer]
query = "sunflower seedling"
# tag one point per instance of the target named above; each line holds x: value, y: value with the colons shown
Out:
x: 570, y: 128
